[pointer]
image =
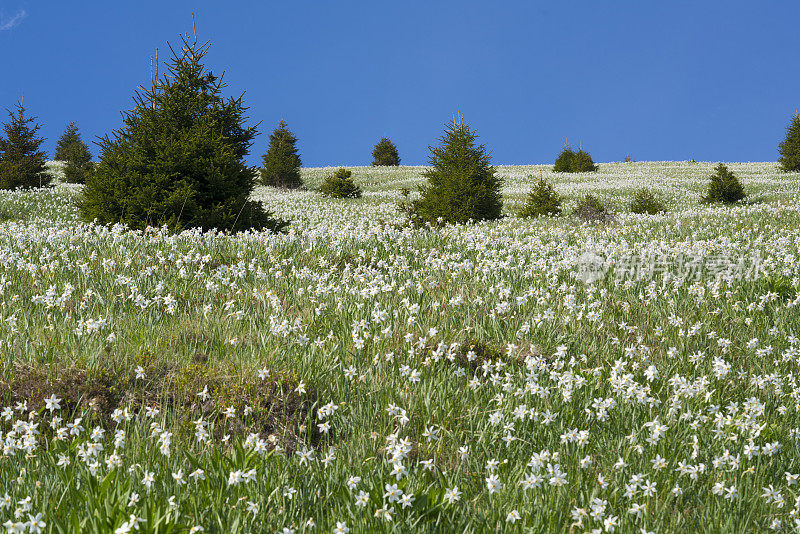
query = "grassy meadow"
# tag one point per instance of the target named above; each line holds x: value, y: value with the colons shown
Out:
x: 359, y: 375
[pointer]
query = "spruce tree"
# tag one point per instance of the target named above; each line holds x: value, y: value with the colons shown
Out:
x: 462, y: 184
x: 178, y: 159
x: 571, y: 161
x: 542, y: 200
x: 340, y: 185
x: 65, y: 143
x: 644, y: 201
x: 385, y: 153
x: 281, y: 166
x: 71, y: 149
x: 564, y: 160
x: 22, y: 164
x: 724, y: 186
x: 582, y: 162
x: 790, y: 147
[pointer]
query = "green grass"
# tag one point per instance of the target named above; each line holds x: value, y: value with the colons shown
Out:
x: 349, y: 298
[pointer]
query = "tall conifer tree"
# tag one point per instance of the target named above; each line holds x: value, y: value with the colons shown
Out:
x: 178, y: 160
x: 462, y: 184
x: 385, y: 153
x: 71, y: 149
x: 22, y: 163
x: 65, y: 143
x: 281, y: 163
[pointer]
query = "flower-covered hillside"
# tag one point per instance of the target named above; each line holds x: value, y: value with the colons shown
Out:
x: 359, y: 375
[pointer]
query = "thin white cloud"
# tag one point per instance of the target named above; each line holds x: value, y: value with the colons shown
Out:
x: 8, y: 23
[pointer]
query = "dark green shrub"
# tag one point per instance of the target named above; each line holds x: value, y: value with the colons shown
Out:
x: 281, y: 167
x: 178, y: 160
x: 340, y: 185
x: 644, y: 201
x: 592, y: 209
x: 7, y: 214
x: 571, y: 161
x: 385, y: 153
x: 724, y: 186
x: 790, y: 147
x: 71, y: 149
x: 22, y: 164
x: 542, y: 200
x: 462, y: 184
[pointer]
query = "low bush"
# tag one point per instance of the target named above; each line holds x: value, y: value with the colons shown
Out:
x: 6, y: 214
x: 340, y: 185
x: 592, y: 209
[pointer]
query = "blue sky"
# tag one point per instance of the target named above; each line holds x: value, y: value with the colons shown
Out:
x: 675, y: 80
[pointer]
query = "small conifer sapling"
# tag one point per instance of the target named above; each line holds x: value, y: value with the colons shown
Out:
x: 542, y: 200
x: 644, y: 201
x: 340, y: 185
x: 724, y: 186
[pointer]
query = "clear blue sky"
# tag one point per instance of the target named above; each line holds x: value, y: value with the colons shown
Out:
x: 660, y: 80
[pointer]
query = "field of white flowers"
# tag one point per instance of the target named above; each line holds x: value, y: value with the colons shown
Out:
x: 356, y: 375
